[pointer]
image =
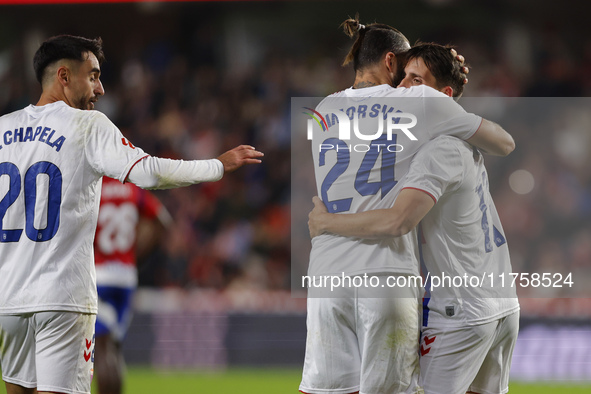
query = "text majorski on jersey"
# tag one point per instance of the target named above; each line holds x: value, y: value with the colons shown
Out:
x: 354, y: 114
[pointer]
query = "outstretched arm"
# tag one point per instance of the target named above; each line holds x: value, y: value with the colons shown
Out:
x: 158, y: 173
x: 410, y: 207
x: 239, y: 156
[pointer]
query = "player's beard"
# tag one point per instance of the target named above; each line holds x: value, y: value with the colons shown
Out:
x: 85, y: 103
x: 399, y: 75
x: 398, y: 78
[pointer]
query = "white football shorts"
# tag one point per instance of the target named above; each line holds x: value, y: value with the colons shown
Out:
x: 53, y: 351
x: 470, y: 358
x: 366, y: 345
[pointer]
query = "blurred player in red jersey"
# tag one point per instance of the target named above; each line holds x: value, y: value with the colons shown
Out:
x: 120, y: 235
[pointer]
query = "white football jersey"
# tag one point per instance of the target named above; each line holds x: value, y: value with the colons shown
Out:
x: 52, y: 158
x: 360, y: 171
x: 462, y: 237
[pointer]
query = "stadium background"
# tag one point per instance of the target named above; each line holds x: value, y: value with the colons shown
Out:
x: 191, y: 79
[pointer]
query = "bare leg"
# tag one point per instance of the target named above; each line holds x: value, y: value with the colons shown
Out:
x: 108, y: 365
x: 16, y: 389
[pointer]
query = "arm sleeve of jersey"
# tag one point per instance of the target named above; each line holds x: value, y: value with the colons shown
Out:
x: 159, y: 173
x: 446, y: 117
x: 107, y: 150
x: 436, y: 168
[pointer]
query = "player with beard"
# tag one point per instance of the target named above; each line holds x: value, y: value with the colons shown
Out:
x: 365, y: 341
x: 469, y: 332
x: 53, y: 157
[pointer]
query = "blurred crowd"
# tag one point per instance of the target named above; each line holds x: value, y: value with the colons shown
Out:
x: 220, y: 86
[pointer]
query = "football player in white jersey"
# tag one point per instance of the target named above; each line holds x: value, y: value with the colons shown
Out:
x: 365, y: 341
x: 469, y: 328
x: 52, y: 159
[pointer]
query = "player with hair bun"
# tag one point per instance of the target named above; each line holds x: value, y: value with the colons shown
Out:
x: 374, y: 43
x: 469, y: 331
x: 363, y: 342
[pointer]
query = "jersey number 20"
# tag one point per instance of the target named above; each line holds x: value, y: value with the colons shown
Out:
x: 54, y: 199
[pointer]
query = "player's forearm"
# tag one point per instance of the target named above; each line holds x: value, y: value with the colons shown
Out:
x: 370, y: 224
x: 159, y: 173
x: 492, y: 139
x: 410, y: 208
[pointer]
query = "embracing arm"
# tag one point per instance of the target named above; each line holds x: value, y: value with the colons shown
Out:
x: 410, y: 207
x: 492, y: 139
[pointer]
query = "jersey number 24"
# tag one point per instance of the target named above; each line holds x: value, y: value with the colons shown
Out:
x: 362, y: 184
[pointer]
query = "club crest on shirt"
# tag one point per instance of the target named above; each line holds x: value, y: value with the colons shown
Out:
x: 449, y: 311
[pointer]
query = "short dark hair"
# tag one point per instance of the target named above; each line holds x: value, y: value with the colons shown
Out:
x: 441, y: 63
x: 372, y: 43
x: 65, y: 47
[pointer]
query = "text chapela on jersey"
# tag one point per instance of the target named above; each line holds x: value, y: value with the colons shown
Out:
x: 28, y: 134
